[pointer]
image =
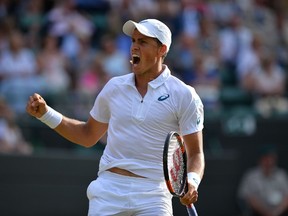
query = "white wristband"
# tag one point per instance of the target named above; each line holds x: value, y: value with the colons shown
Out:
x: 194, y: 179
x: 52, y: 118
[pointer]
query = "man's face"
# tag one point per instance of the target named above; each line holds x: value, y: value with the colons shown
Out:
x: 268, y: 163
x: 146, y: 53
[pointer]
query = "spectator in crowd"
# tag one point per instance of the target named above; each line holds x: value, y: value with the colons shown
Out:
x: 224, y: 11
x: 206, y: 68
x: 141, y: 9
x: 11, y: 137
x: 249, y: 58
x: 18, y: 72
x: 263, y: 190
x: 182, y: 57
x: 268, y: 85
x: 32, y: 22
x: 285, y: 27
x: 207, y: 42
x: 4, y: 34
x: 53, y: 66
x: 85, y: 56
x: 93, y: 79
x: 68, y: 24
x: 206, y: 81
x: 281, y: 11
x: 115, y: 62
x: 191, y: 12
x: 262, y: 20
x: 89, y: 84
x: 235, y: 40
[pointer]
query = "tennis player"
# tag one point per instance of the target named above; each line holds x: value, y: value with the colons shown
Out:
x: 137, y: 110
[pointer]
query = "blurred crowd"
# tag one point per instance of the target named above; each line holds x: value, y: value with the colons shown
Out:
x: 263, y: 189
x: 68, y: 49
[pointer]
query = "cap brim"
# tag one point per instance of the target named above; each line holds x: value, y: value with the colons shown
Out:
x: 130, y: 26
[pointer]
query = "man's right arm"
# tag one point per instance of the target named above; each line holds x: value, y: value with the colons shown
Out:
x: 86, y: 134
x: 83, y: 133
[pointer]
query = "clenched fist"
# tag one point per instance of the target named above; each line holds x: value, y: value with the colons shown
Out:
x: 36, y: 106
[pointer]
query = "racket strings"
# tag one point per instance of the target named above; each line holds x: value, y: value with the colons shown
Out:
x: 176, y: 165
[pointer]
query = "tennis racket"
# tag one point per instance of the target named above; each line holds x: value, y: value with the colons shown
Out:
x: 174, y: 167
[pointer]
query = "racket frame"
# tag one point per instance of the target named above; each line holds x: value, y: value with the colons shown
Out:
x: 165, y: 164
x: 191, y: 210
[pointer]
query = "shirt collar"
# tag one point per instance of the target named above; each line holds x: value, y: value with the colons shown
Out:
x: 154, y: 83
x: 161, y: 78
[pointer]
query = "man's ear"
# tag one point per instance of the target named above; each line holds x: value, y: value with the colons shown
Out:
x: 163, y: 50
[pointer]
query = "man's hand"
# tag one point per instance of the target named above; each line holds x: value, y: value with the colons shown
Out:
x: 190, y: 197
x: 36, y: 106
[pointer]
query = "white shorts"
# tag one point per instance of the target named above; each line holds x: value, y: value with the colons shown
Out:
x: 114, y: 194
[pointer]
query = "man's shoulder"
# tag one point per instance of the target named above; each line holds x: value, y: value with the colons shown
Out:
x: 118, y: 80
x: 121, y: 77
x: 180, y: 88
x: 252, y: 173
x: 178, y: 83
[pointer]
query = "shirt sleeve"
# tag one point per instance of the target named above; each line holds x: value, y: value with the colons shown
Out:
x: 100, y: 110
x: 191, y: 113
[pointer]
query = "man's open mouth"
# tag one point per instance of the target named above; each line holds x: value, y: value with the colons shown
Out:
x: 135, y: 59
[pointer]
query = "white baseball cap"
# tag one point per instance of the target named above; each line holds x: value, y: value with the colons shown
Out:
x: 151, y: 28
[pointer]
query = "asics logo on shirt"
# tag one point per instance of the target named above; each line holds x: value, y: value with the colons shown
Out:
x: 198, y: 120
x: 163, y: 97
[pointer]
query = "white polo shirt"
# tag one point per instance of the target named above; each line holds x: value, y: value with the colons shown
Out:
x: 138, y: 126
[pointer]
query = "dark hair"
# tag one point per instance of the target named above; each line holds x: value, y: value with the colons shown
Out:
x: 160, y: 44
x: 267, y: 149
x: 158, y: 41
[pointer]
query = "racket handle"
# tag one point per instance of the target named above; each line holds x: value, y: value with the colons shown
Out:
x: 191, y: 210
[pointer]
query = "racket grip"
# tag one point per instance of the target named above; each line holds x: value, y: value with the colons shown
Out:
x: 191, y: 210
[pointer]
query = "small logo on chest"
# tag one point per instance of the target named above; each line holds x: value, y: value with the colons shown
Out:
x: 163, y: 97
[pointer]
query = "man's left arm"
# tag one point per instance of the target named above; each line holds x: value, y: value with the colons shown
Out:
x: 195, y: 165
